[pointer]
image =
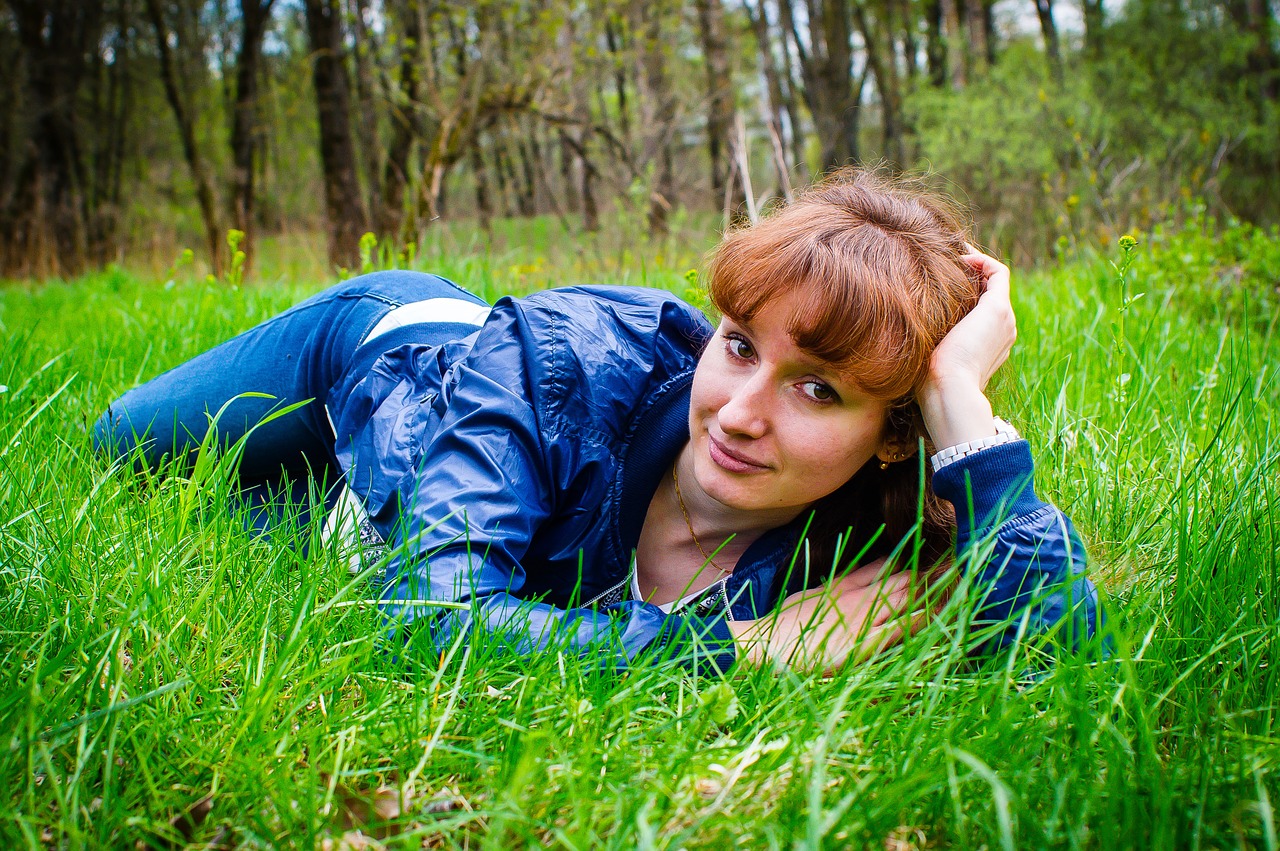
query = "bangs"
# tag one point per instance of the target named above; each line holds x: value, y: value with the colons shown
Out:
x: 854, y: 301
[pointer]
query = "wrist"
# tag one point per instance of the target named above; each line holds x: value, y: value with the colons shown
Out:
x: 955, y: 410
x: 1004, y: 433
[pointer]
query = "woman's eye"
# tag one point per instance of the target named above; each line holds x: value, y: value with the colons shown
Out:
x: 740, y: 348
x: 818, y: 391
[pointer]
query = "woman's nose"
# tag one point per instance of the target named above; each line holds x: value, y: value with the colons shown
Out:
x: 746, y: 411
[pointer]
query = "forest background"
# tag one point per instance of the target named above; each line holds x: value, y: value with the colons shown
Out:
x: 173, y: 172
x: 132, y: 128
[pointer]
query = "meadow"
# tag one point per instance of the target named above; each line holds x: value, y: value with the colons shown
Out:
x: 168, y: 681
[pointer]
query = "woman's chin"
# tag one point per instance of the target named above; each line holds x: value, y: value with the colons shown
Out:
x: 735, y: 491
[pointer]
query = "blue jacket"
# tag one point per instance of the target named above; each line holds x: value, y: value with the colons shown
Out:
x: 510, y: 472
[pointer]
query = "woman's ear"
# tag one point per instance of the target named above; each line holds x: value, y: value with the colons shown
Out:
x: 901, y: 435
x: 895, y: 449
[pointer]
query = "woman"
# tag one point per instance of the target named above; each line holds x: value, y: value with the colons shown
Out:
x: 599, y: 469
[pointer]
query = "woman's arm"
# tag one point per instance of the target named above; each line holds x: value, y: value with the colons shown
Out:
x: 953, y: 399
x: 1026, y: 558
x: 505, y: 465
x: 850, y: 618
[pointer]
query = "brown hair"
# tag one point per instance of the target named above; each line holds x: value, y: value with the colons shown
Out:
x: 876, y: 266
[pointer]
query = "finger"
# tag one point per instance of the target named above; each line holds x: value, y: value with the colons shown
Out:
x: 997, y: 278
x: 894, y: 583
x: 987, y: 265
x: 894, y: 600
x: 877, y: 641
x: 865, y: 575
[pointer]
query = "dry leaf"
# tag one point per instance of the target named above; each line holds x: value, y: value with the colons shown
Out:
x: 360, y: 809
x: 444, y: 801
x: 905, y: 838
x: 186, y: 823
x: 351, y: 840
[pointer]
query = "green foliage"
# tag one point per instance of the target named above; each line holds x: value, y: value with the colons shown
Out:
x: 1165, y: 114
x: 1178, y: 90
x: 1020, y: 150
x: 368, y: 243
x: 166, y: 679
x: 235, y: 270
x: 1227, y: 271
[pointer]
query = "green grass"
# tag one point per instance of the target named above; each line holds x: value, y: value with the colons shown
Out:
x: 154, y: 657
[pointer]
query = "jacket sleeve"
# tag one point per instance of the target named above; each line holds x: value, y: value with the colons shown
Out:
x: 1027, y: 560
x: 488, y: 479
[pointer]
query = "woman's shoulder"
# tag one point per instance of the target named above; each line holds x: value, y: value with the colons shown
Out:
x: 634, y: 308
x: 592, y: 354
x: 635, y: 328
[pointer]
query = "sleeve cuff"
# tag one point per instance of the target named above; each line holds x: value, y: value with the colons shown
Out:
x: 990, y: 486
x: 703, y: 645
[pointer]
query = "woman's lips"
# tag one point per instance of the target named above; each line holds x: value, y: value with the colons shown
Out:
x: 734, y: 462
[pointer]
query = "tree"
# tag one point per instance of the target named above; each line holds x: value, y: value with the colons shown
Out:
x: 1049, y: 32
x: 832, y: 92
x: 880, y: 46
x: 778, y: 103
x: 255, y: 15
x: 389, y: 215
x: 658, y: 107
x: 45, y: 213
x: 344, y: 209
x: 721, y: 110
x: 181, y: 96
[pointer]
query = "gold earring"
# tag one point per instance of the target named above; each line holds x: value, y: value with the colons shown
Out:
x: 884, y: 465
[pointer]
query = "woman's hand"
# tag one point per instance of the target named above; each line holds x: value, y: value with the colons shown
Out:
x: 953, y: 398
x: 852, y: 617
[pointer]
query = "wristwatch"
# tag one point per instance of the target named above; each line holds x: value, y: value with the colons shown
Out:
x: 1005, y: 433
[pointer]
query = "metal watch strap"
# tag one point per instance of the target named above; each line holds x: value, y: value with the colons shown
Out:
x: 1005, y: 433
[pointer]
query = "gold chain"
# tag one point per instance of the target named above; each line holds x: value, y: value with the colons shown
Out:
x: 675, y: 476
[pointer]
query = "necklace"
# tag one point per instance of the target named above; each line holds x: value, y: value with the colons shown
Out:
x: 675, y: 476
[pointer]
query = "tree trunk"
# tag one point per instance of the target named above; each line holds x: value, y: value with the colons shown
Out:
x: 245, y: 141
x: 578, y: 171
x: 773, y: 85
x: 541, y: 167
x: 111, y: 113
x: 907, y: 24
x: 1049, y: 31
x: 977, y: 44
x: 1254, y: 20
x: 369, y: 151
x: 44, y: 224
x: 935, y: 43
x: 990, y: 36
x: 480, y: 172
x: 183, y: 113
x: 1093, y: 26
x: 404, y: 127
x: 500, y: 174
x: 957, y: 49
x: 658, y: 108
x: 614, y: 43
x: 882, y: 61
x: 343, y: 205
x: 827, y: 67
x: 526, y: 189
x: 720, y: 106
x: 792, y: 94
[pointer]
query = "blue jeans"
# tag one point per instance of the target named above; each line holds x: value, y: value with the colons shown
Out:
x: 297, y: 356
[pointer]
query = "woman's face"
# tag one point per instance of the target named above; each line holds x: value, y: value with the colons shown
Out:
x: 771, y: 427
